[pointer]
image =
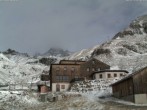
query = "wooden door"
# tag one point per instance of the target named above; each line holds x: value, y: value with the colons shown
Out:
x: 58, y: 87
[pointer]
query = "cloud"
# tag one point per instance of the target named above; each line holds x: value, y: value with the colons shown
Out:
x: 36, y: 25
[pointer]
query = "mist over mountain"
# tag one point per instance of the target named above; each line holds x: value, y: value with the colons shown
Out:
x: 57, y: 52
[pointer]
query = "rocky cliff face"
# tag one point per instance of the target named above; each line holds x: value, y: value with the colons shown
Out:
x: 127, y: 49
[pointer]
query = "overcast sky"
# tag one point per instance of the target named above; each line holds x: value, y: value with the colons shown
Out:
x: 37, y: 25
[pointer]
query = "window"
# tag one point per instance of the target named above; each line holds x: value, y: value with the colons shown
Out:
x: 121, y: 75
x: 72, y: 69
x: 93, y: 69
x: 115, y: 75
x: 62, y: 78
x: 65, y: 68
x: 94, y: 77
x: 88, y: 69
x: 109, y: 75
x: 59, y: 78
x: 62, y: 86
x: 57, y: 69
x: 76, y: 77
x: 65, y: 78
x: 98, y: 69
x: 93, y: 62
x: 100, y: 76
x: 57, y: 73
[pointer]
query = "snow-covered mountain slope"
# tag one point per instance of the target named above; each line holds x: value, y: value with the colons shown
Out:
x: 17, y: 69
x: 127, y: 50
x: 84, y: 54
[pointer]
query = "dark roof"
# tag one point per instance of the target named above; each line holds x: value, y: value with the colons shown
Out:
x: 44, y: 75
x: 79, y: 61
x: 109, y: 71
x: 65, y: 64
x: 129, y: 76
x: 72, y: 61
x: 99, y: 61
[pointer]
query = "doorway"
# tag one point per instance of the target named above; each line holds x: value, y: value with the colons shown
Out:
x: 58, y: 87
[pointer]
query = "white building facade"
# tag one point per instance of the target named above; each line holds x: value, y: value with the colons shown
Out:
x: 109, y: 74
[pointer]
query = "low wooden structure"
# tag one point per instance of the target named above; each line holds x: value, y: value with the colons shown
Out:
x: 133, y: 87
x: 43, y: 86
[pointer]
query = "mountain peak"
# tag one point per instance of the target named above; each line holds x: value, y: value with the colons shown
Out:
x: 137, y: 27
x: 14, y: 52
x: 59, y: 52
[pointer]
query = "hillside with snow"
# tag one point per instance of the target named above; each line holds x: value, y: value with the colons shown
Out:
x: 127, y: 49
x: 17, y: 69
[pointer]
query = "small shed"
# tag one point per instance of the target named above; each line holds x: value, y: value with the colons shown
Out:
x: 43, y: 86
x: 133, y: 87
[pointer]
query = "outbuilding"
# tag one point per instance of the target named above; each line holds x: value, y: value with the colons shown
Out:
x: 43, y: 87
x: 133, y: 87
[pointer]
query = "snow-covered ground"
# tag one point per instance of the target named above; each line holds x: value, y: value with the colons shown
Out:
x: 13, y: 100
x: 86, y: 95
x: 73, y: 101
x: 101, y: 86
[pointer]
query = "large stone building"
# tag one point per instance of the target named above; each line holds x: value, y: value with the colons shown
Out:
x: 66, y: 71
x: 133, y: 87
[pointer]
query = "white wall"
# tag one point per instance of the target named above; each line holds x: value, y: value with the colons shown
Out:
x: 67, y: 85
x: 105, y: 75
x: 141, y: 98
